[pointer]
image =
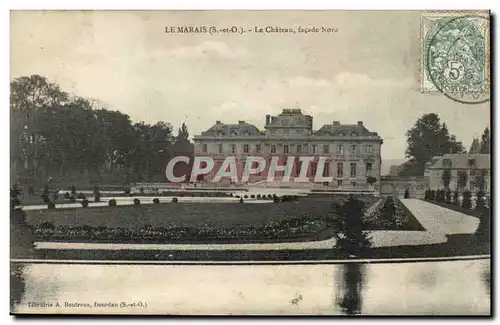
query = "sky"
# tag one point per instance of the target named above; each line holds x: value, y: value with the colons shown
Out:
x: 367, y: 71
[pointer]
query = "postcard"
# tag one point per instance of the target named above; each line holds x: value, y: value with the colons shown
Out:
x: 250, y: 162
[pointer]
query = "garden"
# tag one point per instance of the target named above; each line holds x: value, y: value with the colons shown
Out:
x: 289, y: 219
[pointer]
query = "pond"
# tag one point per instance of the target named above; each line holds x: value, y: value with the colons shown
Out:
x: 411, y: 288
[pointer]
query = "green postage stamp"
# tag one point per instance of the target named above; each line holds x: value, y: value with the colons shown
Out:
x: 455, y: 54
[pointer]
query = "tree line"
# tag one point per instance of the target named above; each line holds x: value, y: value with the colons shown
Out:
x: 65, y: 139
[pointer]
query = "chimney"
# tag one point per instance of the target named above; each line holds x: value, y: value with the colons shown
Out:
x: 360, y: 122
x: 241, y: 122
x: 218, y: 122
x: 336, y: 123
x: 268, y: 119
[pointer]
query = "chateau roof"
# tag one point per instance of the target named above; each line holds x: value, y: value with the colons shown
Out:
x: 344, y: 129
x: 242, y: 128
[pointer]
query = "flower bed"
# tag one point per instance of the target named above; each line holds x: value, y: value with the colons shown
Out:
x: 392, y: 215
x: 294, y: 228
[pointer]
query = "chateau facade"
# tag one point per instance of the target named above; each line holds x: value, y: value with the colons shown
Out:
x: 351, y: 151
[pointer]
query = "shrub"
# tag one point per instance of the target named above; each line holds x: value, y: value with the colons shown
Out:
x: 81, y: 196
x: 66, y: 195
x: 432, y: 195
x: 73, y: 189
x: 47, y: 225
x: 371, y: 180
x: 258, y: 196
x: 246, y: 196
x: 448, y: 197
x: 85, y: 203
x: 72, y: 199
x: 241, y: 200
x: 14, y: 202
x: 157, y: 201
x: 269, y: 196
x: 112, y: 203
x: 127, y: 190
x: 483, y: 230
x: 51, y: 205
x: 231, y: 194
x: 467, y: 202
x: 45, y: 198
x: 14, y: 191
x: 276, y: 199
x: 141, y: 190
x: 137, y: 201
x: 455, y: 198
x: 252, y: 196
x: 174, y: 200
x: 480, y: 204
x: 97, y: 197
x: 407, y: 194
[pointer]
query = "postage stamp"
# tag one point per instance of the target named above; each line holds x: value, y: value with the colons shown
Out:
x: 455, y: 56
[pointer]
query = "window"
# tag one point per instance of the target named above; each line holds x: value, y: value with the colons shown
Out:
x: 353, y: 169
x: 339, y: 182
x: 233, y: 148
x: 447, y: 163
x: 368, y: 168
x: 313, y: 148
x: 299, y: 148
x: 273, y: 148
x: 340, y: 149
x: 340, y: 169
x: 285, y: 148
x: 245, y: 148
x: 257, y: 148
x: 353, y: 184
x: 326, y: 148
x: 353, y: 149
x: 368, y: 149
x: 204, y: 147
x: 220, y: 147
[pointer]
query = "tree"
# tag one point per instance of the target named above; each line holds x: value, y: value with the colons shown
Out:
x: 485, y: 142
x: 28, y: 96
x: 446, y: 178
x: 183, y: 132
x: 426, y: 139
x: 407, y: 194
x: 350, y: 237
x: 462, y: 179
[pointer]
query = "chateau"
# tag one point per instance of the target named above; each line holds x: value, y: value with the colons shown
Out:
x: 352, y: 152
